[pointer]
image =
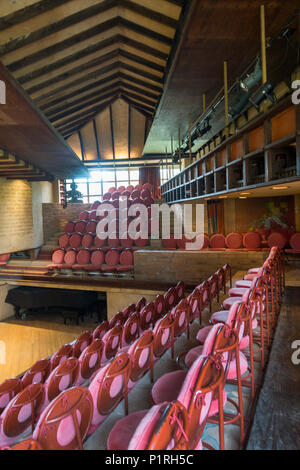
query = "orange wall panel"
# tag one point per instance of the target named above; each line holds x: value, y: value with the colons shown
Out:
x: 256, y: 139
x: 237, y: 149
x: 284, y: 124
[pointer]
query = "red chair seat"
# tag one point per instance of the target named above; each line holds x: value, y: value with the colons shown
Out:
x: 91, y: 226
x: 203, y: 332
x: 80, y: 226
x: 99, y: 242
x: 108, y: 269
x: 243, y: 284
x: 87, y: 240
x: 97, y: 257
x: 58, y: 256
x: 277, y: 239
x: 75, y: 240
x: 249, y: 277
x: 122, y: 432
x: 192, y: 355
x: 69, y: 227
x: 227, y: 304
x: 63, y: 240
x: 140, y: 242
x: 112, y: 257
x: 124, y: 268
x: 220, y: 317
x: 126, y: 257
x: 167, y: 387
x: 237, y: 291
x: 295, y: 242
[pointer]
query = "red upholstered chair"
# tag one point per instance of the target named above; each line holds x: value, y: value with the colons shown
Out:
x: 61, y: 355
x: 140, y: 242
x: 145, y: 194
x: 61, y: 378
x: 131, y: 329
x: 63, y: 240
x: 125, y: 194
x: 81, y: 343
x: 91, y: 226
x: 140, y: 304
x: 97, y: 259
x: 163, y: 336
x: 217, y: 241
x: 27, y: 444
x: 87, y: 240
x: 126, y: 257
x: 64, y: 424
x: 118, y: 318
x: 205, y: 241
x: 84, y: 215
x: 295, y: 243
x: 170, y: 298
x: 277, y: 239
x: 112, y: 190
x: 113, y: 240
x: 112, y: 257
x: 129, y: 309
x: 75, y: 240
x: 147, y: 314
x: 252, y: 240
x: 69, y: 227
x: 8, y: 390
x: 163, y: 427
x: 180, y: 314
x: 130, y: 188
x: 100, y: 331
x: 109, y: 387
x: 95, y: 205
x: 213, y: 289
x: 121, y: 189
x: 234, y: 241
x: 159, y: 307
x: 126, y: 242
x: 93, y: 215
x: 141, y: 353
x: 148, y: 186
x: 82, y: 259
x: 112, y: 341
x: 135, y: 194
x: 89, y: 361
x: 100, y: 242
x: 106, y: 197
x: 115, y: 195
x: 69, y: 259
x: 139, y: 187
x: 20, y: 414
x: 38, y: 373
x: 57, y: 258
x: 80, y: 226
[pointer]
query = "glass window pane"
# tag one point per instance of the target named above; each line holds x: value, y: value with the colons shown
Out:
x: 108, y: 185
x: 108, y: 175
x: 82, y: 187
x: 134, y: 175
x: 122, y: 176
x: 95, y: 175
x: 94, y: 188
x: 94, y: 198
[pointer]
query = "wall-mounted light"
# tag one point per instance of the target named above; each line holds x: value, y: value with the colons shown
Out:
x: 263, y: 93
x: 252, y: 79
x: 280, y: 187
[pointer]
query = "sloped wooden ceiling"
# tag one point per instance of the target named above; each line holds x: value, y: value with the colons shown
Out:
x: 116, y: 133
x: 75, y: 58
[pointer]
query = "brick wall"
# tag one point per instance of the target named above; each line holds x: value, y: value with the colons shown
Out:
x: 20, y: 214
x: 55, y: 217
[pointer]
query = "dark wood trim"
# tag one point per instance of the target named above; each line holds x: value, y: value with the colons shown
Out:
x: 138, y: 98
x: 81, y: 146
x: 29, y: 12
x: 149, y: 13
x: 50, y: 104
x: 97, y: 140
x: 112, y: 132
x: 90, y: 76
x: 137, y: 81
x: 141, y: 60
x: 145, y: 31
x: 138, y: 106
x: 139, y: 90
x: 53, y: 28
x: 86, y: 100
x: 71, y: 111
x: 143, y: 73
x: 144, y: 47
x: 76, y: 70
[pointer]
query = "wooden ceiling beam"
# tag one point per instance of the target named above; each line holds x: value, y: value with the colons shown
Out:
x: 91, y: 98
x: 29, y: 12
x: 131, y: 101
x: 75, y: 109
x: 149, y: 13
x: 95, y: 109
x: 72, y: 72
x: 53, y: 28
x: 143, y: 73
x: 141, y: 98
x: 141, y: 60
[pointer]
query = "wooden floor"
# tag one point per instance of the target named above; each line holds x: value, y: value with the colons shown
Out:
x: 276, y: 424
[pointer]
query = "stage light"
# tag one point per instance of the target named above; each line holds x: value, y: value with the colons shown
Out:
x: 252, y: 79
x: 264, y: 92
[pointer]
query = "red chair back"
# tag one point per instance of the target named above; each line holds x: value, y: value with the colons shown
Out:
x: 100, y: 331
x: 131, y: 328
x: 81, y: 343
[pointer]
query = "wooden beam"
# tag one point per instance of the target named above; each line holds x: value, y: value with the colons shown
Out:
x: 112, y: 132
x: 143, y: 109
x: 29, y: 12
x: 141, y: 60
x: 140, y: 72
x: 53, y: 28
x: 72, y: 72
x: 79, y: 81
x: 92, y: 98
x: 96, y: 139
x: 57, y: 117
x: 140, y: 98
x: 149, y: 13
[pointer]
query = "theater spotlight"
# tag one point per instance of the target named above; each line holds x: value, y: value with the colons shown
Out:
x: 263, y: 93
x: 252, y: 79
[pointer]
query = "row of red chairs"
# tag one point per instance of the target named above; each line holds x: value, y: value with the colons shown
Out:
x: 90, y: 240
x: 236, y: 241
x: 75, y: 363
x: 113, y: 334
x: 93, y: 260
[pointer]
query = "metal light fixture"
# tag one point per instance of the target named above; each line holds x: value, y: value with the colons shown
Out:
x: 252, y: 79
x: 263, y: 93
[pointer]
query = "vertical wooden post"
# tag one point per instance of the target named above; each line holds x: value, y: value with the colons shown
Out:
x: 226, y: 97
x: 263, y: 44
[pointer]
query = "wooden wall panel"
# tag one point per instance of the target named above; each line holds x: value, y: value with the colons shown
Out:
x: 284, y: 124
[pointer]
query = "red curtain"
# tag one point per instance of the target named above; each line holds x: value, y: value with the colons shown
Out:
x: 151, y: 175
x: 215, y: 212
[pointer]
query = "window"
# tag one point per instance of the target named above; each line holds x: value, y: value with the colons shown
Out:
x: 101, y: 180
x: 168, y: 173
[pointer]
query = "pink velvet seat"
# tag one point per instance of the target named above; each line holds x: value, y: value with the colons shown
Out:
x: 122, y: 432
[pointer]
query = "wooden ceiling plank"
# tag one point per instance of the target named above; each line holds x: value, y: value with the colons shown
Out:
x: 140, y: 60
x: 85, y: 99
x: 53, y: 28
x: 80, y: 91
x: 132, y: 101
x: 89, y: 103
x: 140, y: 90
x: 149, y: 13
x: 149, y: 103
